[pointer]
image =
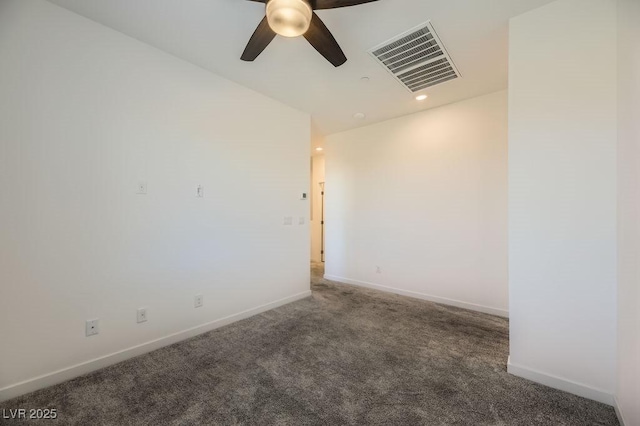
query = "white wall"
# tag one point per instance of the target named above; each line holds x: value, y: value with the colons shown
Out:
x: 85, y: 114
x: 317, y: 176
x: 562, y: 196
x: 628, y: 389
x: 423, y: 198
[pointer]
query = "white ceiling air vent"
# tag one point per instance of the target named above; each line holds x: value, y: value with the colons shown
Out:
x: 417, y: 58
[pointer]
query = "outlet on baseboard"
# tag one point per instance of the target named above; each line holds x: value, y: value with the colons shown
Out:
x: 92, y: 327
x: 198, y: 301
x: 142, y: 315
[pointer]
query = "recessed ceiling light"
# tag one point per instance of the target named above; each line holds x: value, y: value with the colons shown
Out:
x: 359, y: 116
x: 365, y: 79
x: 421, y: 97
x: 319, y: 149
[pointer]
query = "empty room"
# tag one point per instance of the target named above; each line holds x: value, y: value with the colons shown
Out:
x: 320, y: 212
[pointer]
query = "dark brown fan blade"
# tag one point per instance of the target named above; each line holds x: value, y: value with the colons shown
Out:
x: 258, y: 41
x: 322, y: 40
x: 333, y: 4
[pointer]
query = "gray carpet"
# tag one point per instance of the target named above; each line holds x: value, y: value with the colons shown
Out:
x: 346, y: 356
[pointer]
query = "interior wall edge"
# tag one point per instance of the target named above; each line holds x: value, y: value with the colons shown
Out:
x: 417, y: 295
x: 560, y: 383
x: 616, y: 407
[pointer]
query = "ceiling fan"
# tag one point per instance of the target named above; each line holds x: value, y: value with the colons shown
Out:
x: 293, y: 18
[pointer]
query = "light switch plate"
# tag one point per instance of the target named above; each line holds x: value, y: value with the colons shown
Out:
x: 198, y: 301
x: 142, y: 315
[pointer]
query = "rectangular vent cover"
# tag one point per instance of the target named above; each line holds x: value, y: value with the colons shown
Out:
x: 417, y: 58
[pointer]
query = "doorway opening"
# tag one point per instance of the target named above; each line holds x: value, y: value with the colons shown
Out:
x: 317, y: 214
x: 322, y: 222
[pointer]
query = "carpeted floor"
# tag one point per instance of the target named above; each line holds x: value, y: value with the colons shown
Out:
x: 346, y: 356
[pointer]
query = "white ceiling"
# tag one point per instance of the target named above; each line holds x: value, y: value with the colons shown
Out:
x: 213, y: 34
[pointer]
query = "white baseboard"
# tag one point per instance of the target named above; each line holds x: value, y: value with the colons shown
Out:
x: 618, y: 412
x: 73, y: 371
x: 561, y: 383
x: 416, y: 295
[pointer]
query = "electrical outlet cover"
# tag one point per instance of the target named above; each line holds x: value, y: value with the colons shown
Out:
x: 92, y: 327
x: 142, y: 188
x: 142, y: 315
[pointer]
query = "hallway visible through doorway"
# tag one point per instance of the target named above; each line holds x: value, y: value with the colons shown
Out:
x: 317, y: 207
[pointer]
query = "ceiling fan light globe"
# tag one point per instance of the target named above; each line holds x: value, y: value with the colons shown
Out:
x: 289, y: 18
